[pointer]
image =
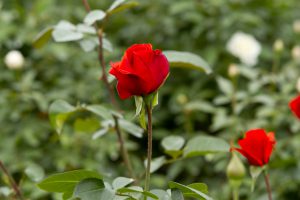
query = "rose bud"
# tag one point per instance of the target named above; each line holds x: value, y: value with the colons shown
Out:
x: 141, y: 71
x: 235, y: 168
x: 295, y: 106
x: 257, y: 146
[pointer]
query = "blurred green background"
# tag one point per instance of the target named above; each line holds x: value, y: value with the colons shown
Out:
x: 191, y: 103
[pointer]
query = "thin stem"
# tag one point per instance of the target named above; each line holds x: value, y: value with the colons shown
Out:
x: 99, y: 32
x: 268, y: 186
x: 123, y: 150
x: 11, y: 181
x: 149, y: 149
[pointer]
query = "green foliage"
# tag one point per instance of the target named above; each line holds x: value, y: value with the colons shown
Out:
x: 66, y: 182
x: 190, y: 103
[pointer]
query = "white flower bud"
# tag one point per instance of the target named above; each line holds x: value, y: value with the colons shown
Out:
x: 245, y: 47
x: 278, y: 45
x: 233, y: 70
x: 14, y: 60
x: 298, y: 85
x: 296, y: 26
x: 296, y: 53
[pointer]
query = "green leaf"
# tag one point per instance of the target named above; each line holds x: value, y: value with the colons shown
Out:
x: 93, y: 16
x: 142, y: 118
x: 172, y: 145
x: 187, y: 190
x: 61, y: 35
x: 138, y: 104
x: 43, y: 37
x: 155, y: 99
x: 124, y: 6
x: 100, y: 133
x: 35, y: 172
x: 225, y: 86
x: 88, y: 44
x: 84, y: 28
x: 66, y: 182
x: 199, y: 105
x: 130, y: 190
x: 120, y: 5
x: 107, y: 45
x: 131, y: 128
x: 156, y: 163
x: 65, y: 31
x: 176, y: 194
x: 161, y: 194
x: 59, y: 111
x: 187, y: 60
x: 121, y: 182
x: 202, y: 145
x: 92, y: 189
x: 100, y: 111
x: 115, y: 4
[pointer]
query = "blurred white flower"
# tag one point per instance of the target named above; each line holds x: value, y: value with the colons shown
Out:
x: 245, y: 47
x: 296, y: 26
x: 233, y: 70
x: 298, y: 85
x: 296, y: 52
x: 278, y: 45
x: 14, y: 60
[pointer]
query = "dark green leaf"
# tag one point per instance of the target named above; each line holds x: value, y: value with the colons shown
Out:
x: 66, y: 182
x: 43, y: 37
x: 187, y: 60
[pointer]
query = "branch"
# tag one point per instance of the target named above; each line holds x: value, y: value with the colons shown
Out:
x: 11, y: 181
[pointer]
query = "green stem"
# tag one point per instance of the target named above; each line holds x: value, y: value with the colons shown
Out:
x: 149, y: 149
x: 268, y: 185
x: 235, y: 193
x: 11, y: 181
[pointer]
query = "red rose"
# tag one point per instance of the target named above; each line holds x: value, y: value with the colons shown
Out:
x: 141, y: 71
x: 295, y: 106
x: 257, y: 146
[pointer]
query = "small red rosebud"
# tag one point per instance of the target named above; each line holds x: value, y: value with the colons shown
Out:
x: 295, y: 106
x: 141, y: 71
x: 257, y: 146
